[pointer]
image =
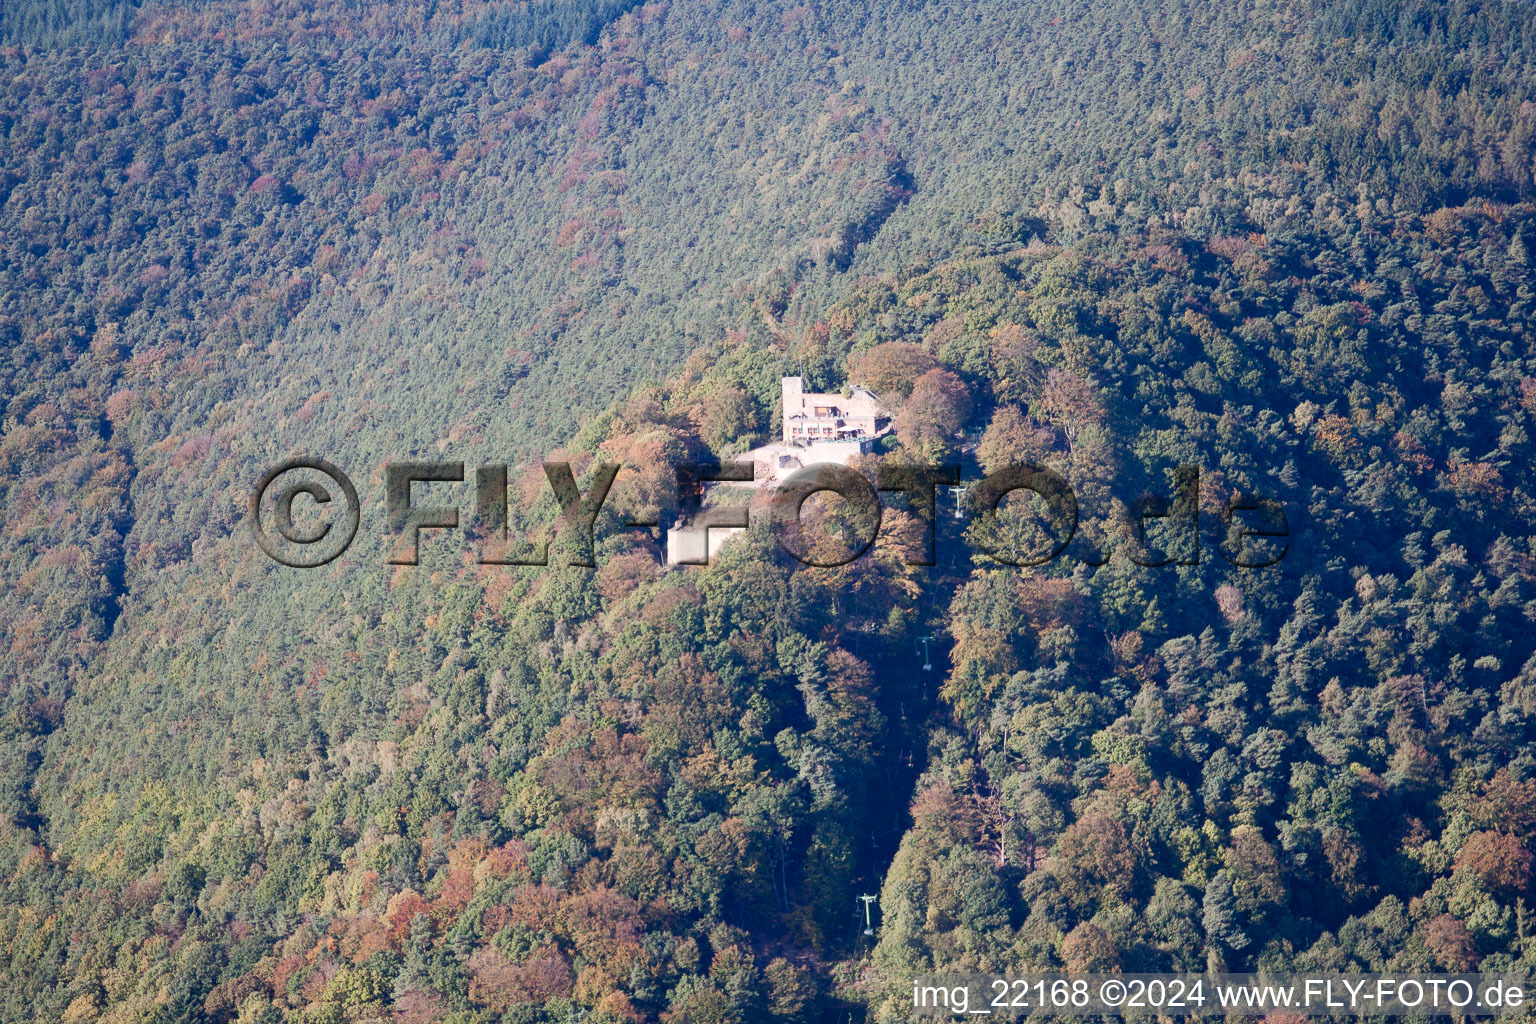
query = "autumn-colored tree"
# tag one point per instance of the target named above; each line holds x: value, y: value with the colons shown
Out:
x: 1508, y: 804
x: 498, y: 983
x: 791, y: 989
x: 1500, y: 862
x: 1070, y: 403
x: 891, y: 370
x: 1450, y: 943
x: 1013, y: 439
x: 1094, y: 860
x: 937, y: 408
x: 1089, y: 947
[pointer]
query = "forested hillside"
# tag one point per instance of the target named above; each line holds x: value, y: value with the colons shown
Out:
x: 1288, y: 243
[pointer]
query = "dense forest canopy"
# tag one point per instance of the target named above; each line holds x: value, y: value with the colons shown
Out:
x: 1290, y: 243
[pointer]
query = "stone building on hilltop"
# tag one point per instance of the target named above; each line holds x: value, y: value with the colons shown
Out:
x: 818, y: 429
x: 811, y: 418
